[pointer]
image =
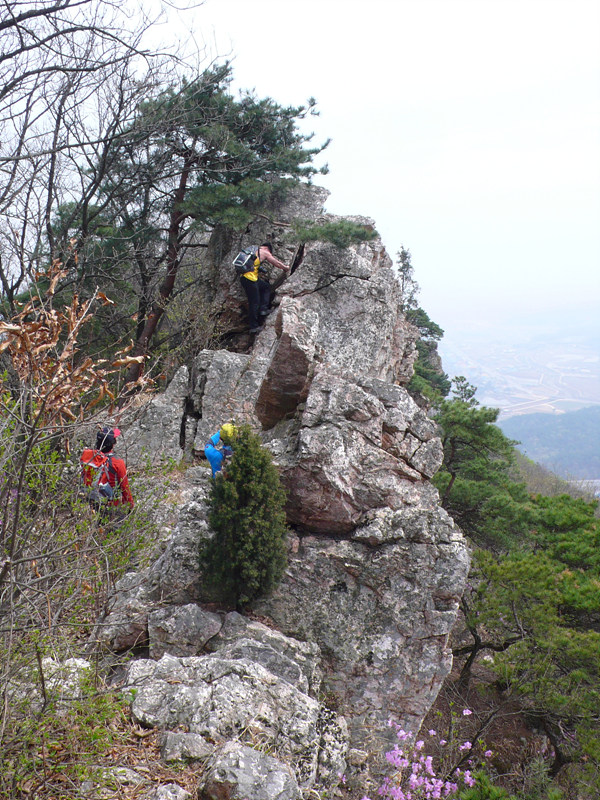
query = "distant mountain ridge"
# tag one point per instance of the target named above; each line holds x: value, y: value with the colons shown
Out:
x: 568, y: 444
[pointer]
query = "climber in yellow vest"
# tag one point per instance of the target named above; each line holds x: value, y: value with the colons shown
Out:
x: 257, y: 289
x: 215, y: 455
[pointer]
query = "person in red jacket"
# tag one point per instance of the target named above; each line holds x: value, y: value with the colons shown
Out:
x: 104, y: 473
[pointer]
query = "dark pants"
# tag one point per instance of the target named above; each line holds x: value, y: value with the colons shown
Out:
x: 259, y: 296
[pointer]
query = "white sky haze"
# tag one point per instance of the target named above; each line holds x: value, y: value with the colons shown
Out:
x: 469, y: 130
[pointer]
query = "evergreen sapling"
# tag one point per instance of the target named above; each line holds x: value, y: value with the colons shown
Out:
x: 246, y: 557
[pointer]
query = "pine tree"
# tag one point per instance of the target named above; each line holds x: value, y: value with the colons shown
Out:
x: 409, y: 286
x: 246, y: 557
x: 475, y: 481
x: 539, y: 615
x: 429, y: 379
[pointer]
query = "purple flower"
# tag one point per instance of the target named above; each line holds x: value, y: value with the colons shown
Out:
x: 468, y: 778
x: 467, y: 712
x: 488, y: 754
x: 415, y: 780
x: 400, y: 732
x: 432, y: 733
x: 466, y: 746
x: 396, y: 757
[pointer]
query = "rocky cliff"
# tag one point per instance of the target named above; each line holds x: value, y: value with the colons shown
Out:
x: 357, y: 631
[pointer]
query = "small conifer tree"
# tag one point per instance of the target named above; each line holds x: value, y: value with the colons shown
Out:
x: 246, y: 557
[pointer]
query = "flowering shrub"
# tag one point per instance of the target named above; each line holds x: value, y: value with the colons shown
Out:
x: 414, y: 776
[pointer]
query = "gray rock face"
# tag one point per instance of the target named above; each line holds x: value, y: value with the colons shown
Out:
x: 288, y: 377
x: 322, y: 383
x: 380, y: 605
x: 181, y: 630
x: 156, y: 431
x: 172, y: 579
x: 238, y: 773
x: 222, y: 698
x: 355, y: 297
x: 376, y: 567
x: 381, y: 455
x: 297, y: 662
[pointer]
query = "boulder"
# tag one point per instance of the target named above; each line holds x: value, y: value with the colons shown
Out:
x: 237, y: 772
x: 168, y: 791
x: 108, y: 783
x: 222, y: 698
x: 59, y: 682
x: 181, y: 630
x: 178, y: 746
x: 296, y: 661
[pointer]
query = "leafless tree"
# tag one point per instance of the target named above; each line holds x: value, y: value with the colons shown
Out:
x: 71, y: 73
x: 120, y: 163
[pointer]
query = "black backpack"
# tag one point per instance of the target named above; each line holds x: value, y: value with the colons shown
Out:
x: 244, y: 261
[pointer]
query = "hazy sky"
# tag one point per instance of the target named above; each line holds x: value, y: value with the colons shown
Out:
x: 469, y: 130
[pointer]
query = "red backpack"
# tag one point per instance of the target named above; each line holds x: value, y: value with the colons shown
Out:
x: 99, y: 490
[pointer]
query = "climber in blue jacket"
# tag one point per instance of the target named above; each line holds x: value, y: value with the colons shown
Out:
x: 214, y: 455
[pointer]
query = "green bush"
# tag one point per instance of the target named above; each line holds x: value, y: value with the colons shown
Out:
x: 246, y: 557
x: 54, y: 741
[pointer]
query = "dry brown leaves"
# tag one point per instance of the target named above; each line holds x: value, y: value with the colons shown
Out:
x: 42, y: 343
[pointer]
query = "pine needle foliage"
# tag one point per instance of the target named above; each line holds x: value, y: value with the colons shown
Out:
x: 342, y: 233
x: 246, y: 557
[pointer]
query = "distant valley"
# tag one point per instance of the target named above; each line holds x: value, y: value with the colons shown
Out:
x: 538, y: 372
x: 545, y: 379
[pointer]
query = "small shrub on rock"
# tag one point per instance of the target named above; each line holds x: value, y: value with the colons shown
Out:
x: 246, y: 557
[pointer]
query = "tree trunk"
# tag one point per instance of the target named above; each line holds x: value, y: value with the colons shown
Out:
x: 166, y: 288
